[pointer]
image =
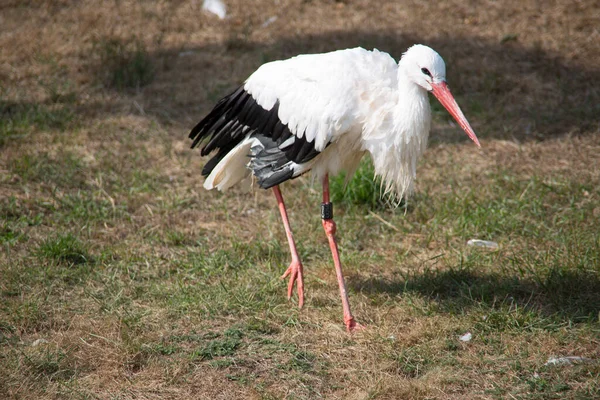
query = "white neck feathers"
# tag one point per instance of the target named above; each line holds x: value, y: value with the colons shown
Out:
x: 399, y: 137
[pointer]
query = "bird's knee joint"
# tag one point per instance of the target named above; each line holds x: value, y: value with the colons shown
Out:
x: 329, y: 226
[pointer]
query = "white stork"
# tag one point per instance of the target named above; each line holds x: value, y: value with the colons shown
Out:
x: 323, y: 113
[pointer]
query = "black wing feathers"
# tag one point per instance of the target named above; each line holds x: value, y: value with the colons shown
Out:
x: 237, y: 115
x: 200, y: 131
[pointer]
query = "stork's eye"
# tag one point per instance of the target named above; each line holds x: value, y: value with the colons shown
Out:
x: 426, y: 72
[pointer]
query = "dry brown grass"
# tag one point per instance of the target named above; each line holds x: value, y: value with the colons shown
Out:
x: 112, y: 166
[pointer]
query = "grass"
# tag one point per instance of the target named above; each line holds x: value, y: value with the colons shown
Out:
x: 65, y: 249
x: 122, y: 278
x: 124, y: 63
x: 64, y: 170
x: 363, y: 190
x: 18, y: 120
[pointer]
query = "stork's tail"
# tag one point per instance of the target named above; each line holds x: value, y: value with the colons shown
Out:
x: 231, y: 168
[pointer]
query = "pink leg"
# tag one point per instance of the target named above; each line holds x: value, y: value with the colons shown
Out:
x: 330, y: 228
x: 295, y: 268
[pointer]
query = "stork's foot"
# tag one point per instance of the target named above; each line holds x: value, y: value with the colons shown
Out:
x: 295, y: 273
x: 353, y: 326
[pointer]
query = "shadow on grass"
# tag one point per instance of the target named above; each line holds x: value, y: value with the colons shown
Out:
x: 572, y: 295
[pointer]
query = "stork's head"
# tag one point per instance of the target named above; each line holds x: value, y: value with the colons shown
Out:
x: 426, y: 68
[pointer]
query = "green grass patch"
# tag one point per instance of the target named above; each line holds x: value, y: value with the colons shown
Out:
x: 363, y: 189
x: 225, y: 346
x: 19, y: 212
x: 225, y: 281
x: 66, y: 249
x: 85, y: 206
x: 66, y: 170
x: 18, y: 120
x: 302, y: 361
x: 11, y: 233
x: 124, y: 63
x: 49, y: 362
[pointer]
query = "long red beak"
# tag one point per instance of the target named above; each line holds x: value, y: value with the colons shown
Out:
x: 442, y: 92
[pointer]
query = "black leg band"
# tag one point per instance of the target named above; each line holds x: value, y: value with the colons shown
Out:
x: 327, y: 210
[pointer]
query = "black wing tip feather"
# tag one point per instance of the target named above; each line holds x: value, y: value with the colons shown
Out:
x: 203, y: 128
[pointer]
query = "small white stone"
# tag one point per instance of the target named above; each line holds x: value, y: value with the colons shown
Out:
x: 269, y: 21
x: 466, y: 337
x: 483, y: 243
x: 215, y: 7
x: 568, y: 360
x: 38, y: 342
